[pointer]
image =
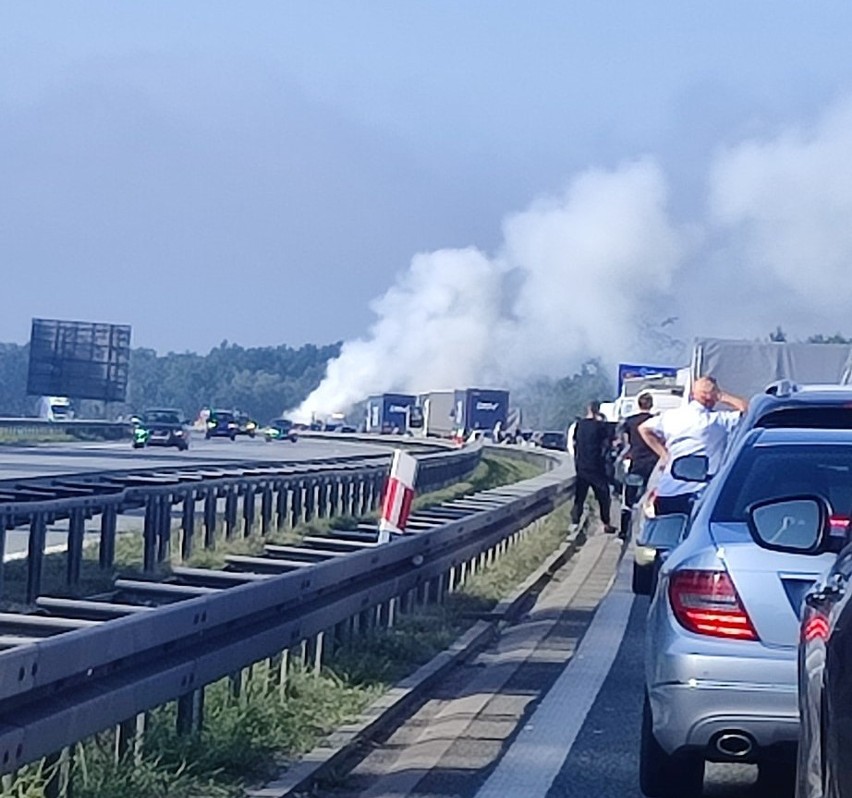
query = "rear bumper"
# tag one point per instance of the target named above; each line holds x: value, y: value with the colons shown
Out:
x: 693, y: 714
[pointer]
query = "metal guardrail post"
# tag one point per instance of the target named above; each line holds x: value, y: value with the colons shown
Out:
x: 282, y: 493
x: 109, y: 525
x: 266, y: 499
x: 296, y: 504
x: 76, y: 535
x: 210, y: 500
x: 231, y: 498
x: 190, y: 712
x: 3, y: 527
x: 248, y: 510
x: 150, y: 533
x: 187, y: 524
x: 310, y: 499
x: 164, y: 529
x: 35, y: 555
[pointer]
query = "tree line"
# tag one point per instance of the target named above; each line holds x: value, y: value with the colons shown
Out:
x: 266, y: 381
x: 263, y: 381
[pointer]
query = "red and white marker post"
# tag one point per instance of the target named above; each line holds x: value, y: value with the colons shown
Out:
x: 399, y: 493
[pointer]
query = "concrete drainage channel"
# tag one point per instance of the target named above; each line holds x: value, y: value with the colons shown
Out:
x: 336, y: 754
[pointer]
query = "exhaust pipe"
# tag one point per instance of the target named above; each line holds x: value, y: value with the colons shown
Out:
x: 734, y: 745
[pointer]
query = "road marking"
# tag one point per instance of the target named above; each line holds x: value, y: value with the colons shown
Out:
x: 532, y: 762
x: 518, y: 646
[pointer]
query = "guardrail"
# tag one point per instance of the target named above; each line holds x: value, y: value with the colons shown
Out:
x: 289, y: 492
x: 23, y: 429
x: 90, y: 675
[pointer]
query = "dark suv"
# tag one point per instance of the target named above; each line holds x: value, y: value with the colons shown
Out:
x: 222, y: 424
x: 161, y: 427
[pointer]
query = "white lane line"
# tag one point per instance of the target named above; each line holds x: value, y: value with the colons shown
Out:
x: 533, y: 761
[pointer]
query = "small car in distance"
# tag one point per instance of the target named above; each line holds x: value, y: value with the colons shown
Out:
x: 553, y: 439
x: 161, y: 427
x: 280, y: 429
x: 222, y: 424
x: 246, y: 425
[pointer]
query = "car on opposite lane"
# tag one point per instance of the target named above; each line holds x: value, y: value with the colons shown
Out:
x: 161, y: 427
x: 222, y: 424
x: 723, y: 625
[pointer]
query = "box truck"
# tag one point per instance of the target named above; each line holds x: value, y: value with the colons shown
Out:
x: 480, y: 409
x: 438, y: 410
x: 390, y: 412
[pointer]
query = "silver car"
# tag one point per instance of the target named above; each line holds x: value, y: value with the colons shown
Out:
x: 723, y: 625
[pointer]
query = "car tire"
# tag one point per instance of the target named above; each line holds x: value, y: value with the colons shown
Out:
x: 207, y: 436
x: 643, y: 577
x: 662, y: 775
x: 293, y: 439
x: 138, y: 445
x: 232, y: 437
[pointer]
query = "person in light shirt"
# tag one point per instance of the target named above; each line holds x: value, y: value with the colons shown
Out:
x: 697, y: 428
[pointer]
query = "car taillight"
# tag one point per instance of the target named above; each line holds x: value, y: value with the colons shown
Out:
x: 706, y: 602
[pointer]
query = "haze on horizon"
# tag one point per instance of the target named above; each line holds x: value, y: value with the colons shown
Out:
x: 554, y: 177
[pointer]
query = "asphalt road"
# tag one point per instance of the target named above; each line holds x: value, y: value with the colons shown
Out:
x: 46, y: 459
x: 563, y: 724
x: 49, y: 459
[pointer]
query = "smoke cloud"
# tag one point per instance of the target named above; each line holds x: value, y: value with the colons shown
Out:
x: 583, y: 274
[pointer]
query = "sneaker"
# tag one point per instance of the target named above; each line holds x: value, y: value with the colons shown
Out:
x: 610, y: 530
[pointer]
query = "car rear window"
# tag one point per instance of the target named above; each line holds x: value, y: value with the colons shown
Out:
x: 773, y: 472
x: 826, y: 417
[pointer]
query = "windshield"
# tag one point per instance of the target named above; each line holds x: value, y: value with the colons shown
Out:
x: 162, y: 417
x: 774, y: 472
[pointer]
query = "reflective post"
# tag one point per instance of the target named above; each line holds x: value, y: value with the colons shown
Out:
x: 76, y: 533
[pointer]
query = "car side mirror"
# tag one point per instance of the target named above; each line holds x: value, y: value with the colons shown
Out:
x: 663, y: 531
x: 691, y: 468
x: 798, y: 524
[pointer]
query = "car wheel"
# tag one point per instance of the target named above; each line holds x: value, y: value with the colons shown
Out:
x: 643, y: 576
x: 232, y: 437
x: 662, y: 775
x: 293, y: 439
x: 138, y: 445
x: 207, y: 436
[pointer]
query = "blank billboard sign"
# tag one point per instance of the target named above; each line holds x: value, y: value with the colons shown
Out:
x: 79, y: 359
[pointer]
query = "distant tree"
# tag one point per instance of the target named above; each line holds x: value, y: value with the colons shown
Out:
x: 837, y: 338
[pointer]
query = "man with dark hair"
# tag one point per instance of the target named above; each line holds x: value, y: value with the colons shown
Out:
x: 642, y: 457
x: 592, y: 441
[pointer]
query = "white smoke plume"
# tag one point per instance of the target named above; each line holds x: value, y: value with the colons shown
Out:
x: 571, y: 277
x: 580, y: 274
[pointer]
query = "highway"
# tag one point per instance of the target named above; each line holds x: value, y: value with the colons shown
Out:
x: 551, y: 710
x: 18, y: 461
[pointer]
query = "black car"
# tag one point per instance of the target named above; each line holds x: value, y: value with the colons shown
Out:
x: 824, y: 769
x: 553, y: 440
x: 246, y: 425
x: 161, y: 427
x: 222, y: 424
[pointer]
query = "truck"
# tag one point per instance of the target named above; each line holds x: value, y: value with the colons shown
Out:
x: 55, y: 408
x: 438, y: 410
x: 484, y: 409
x: 745, y: 368
x: 390, y: 412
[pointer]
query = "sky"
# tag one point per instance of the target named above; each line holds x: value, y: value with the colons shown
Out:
x: 459, y: 184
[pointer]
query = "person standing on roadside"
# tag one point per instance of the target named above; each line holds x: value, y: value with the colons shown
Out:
x: 697, y: 428
x: 592, y: 441
x: 642, y: 457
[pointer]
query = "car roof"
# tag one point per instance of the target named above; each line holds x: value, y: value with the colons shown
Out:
x: 780, y: 436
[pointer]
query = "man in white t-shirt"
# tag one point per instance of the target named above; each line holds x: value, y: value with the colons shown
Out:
x: 697, y: 428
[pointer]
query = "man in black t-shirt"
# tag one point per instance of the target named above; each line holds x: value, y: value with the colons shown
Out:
x: 642, y: 457
x: 592, y: 441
